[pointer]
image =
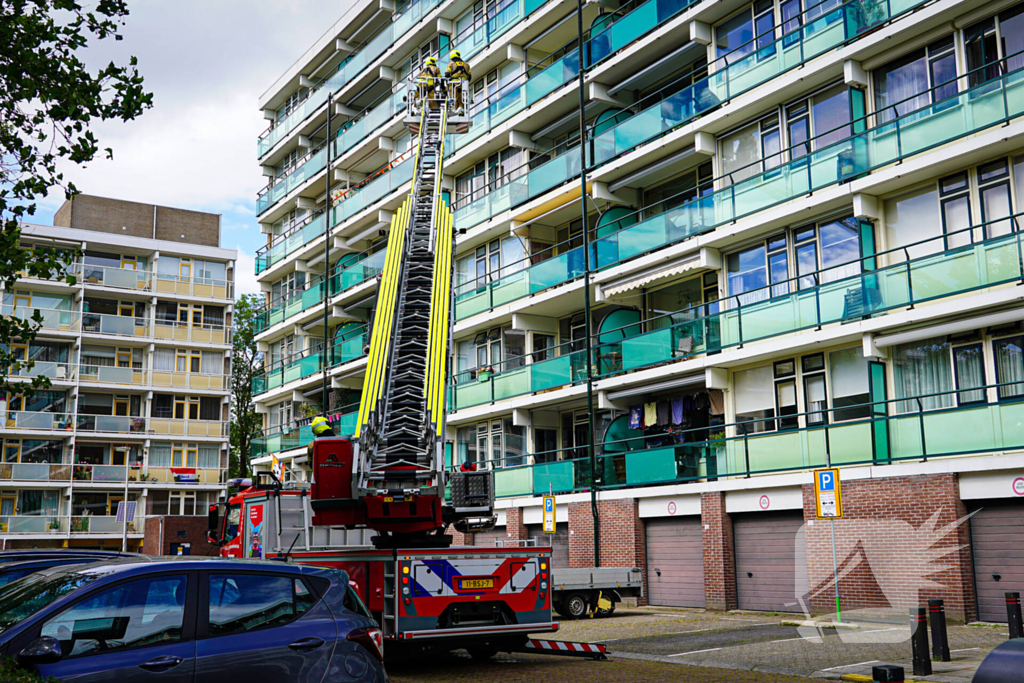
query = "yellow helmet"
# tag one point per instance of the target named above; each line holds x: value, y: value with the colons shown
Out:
x: 320, y: 425
x: 431, y: 61
x: 456, y: 55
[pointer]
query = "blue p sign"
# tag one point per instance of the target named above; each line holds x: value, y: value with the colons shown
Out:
x: 826, y: 481
x: 548, y: 504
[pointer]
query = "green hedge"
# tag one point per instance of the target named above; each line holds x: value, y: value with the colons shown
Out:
x: 10, y: 672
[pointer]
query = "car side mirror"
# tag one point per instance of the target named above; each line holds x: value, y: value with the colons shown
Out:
x: 42, y: 650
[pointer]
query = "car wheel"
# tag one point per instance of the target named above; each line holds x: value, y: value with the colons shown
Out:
x: 482, y: 652
x: 576, y: 605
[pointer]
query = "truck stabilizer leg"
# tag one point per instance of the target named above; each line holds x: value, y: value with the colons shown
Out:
x: 595, y: 651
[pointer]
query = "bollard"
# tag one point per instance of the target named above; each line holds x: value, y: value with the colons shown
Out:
x: 1013, y: 615
x: 887, y: 673
x: 919, y: 641
x: 940, y: 640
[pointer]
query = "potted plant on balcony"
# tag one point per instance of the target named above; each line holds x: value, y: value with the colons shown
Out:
x: 54, y: 525
x: 82, y: 473
x: 485, y: 373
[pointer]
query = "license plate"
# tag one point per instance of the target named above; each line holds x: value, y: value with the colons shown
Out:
x: 475, y: 584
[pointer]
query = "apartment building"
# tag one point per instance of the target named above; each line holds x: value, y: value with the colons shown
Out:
x: 138, y: 352
x: 804, y: 251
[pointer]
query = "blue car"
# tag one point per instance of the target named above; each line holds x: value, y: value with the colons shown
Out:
x: 19, y: 565
x: 190, y: 620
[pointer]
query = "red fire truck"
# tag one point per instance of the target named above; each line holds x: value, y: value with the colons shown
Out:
x: 379, y: 505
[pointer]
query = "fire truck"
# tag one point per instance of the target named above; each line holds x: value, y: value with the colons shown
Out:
x: 379, y: 504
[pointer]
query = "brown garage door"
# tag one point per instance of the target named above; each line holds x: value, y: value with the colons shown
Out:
x: 997, y: 540
x: 768, y: 560
x: 559, y: 543
x: 489, y: 539
x: 675, y: 562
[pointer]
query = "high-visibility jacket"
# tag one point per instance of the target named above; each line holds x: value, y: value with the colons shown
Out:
x: 458, y: 69
x: 429, y: 73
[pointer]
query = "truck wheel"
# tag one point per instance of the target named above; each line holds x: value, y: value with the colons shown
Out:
x: 482, y: 652
x: 575, y: 606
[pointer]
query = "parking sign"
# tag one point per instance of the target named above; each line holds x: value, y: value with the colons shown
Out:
x: 549, y: 514
x: 827, y: 494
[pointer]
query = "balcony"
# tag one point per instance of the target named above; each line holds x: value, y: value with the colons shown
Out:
x: 34, y: 524
x: 517, y: 377
x: 310, y: 362
x: 118, y: 278
x: 373, y: 190
x: 38, y: 421
x: 118, y: 325
x: 284, y: 245
x: 209, y: 333
x: 108, y: 374
x: 35, y: 472
x: 352, y: 67
x: 204, y: 287
x: 709, y: 454
x: 57, y: 320
x: 111, y: 424
x: 179, y: 427
x: 189, y: 380
x: 58, y: 372
x: 276, y: 439
x: 195, y: 475
x: 103, y: 524
x: 100, y: 473
x: 348, y: 273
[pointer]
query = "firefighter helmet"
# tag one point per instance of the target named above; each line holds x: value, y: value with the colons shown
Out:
x: 321, y: 426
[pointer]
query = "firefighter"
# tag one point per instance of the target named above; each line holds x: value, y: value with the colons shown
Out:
x: 321, y: 427
x: 426, y: 80
x: 458, y: 70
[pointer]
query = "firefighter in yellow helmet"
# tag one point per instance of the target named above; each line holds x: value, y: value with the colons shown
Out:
x: 321, y: 427
x: 427, y: 79
x: 458, y: 70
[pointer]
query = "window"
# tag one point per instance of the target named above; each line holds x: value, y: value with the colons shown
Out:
x: 815, y: 390
x: 994, y: 198
x: 849, y: 372
x: 735, y: 37
x: 785, y: 394
x: 995, y: 46
x: 916, y: 80
x: 290, y: 285
x: 163, y: 406
x: 755, y: 400
x: 969, y: 372
x: 248, y: 602
x: 233, y: 522
x: 684, y: 188
x: 137, y: 614
x: 922, y: 372
x: 1009, y: 363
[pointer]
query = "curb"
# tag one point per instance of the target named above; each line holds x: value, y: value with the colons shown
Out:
x: 861, y: 678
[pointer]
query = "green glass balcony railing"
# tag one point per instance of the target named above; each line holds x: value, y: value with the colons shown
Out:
x: 309, y: 168
x: 516, y: 377
x: 879, y: 433
x: 349, y: 272
x: 475, y: 38
x: 283, y: 246
x: 373, y: 191
x: 347, y: 71
x: 276, y: 439
x: 306, y: 363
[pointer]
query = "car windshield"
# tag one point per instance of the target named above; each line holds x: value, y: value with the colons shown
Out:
x: 25, y: 597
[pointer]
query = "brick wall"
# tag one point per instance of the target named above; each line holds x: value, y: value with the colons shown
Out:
x: 581, y: 535
x: 719, y: 555
x: 515, y: 530
x: 897, y: 546
x: 177, y: 529
x: 459, y: 538
x: 120, y: 217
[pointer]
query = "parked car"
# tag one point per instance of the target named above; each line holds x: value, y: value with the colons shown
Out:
x: 185, y: 620
x: 22, y: 564
x: 7, y: 556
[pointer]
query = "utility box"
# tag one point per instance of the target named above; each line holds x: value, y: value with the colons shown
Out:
x: 331, y: 490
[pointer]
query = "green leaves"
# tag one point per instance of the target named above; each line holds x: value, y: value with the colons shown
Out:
x: 48, y: 99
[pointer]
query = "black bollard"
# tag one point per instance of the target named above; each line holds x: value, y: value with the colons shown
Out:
x: 1013, y: 619
x: 919, y: 641
x: 940, y: 640
x: 887, y: 673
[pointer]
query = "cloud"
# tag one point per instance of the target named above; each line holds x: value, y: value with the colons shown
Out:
x: 245, y: 275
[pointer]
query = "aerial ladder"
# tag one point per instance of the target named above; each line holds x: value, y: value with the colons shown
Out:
x: 395, y: 481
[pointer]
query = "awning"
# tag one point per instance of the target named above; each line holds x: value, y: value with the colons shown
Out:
x: 684, y: 381
x: 692, y: 262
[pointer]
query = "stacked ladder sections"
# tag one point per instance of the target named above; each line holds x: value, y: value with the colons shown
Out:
x: 401, y: 419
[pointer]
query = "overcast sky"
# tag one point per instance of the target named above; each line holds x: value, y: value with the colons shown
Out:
x: 206, y: 63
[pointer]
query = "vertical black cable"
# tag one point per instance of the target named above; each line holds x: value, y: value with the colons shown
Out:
x: 581, y: 54
x: 326, y: 283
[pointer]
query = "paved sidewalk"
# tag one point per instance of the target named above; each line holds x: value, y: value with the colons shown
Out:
x: 960, y: 670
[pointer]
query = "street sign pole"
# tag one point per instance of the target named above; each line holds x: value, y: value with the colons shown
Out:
x: 828, y: 502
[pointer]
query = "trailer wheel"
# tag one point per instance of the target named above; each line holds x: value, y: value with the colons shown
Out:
x: 482, y: 652
x: 575, y: 606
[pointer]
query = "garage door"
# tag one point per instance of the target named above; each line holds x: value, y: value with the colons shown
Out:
x: 997, y: 540
x: 489, y: 539
x: 559, y: 543
x: 675, y: 562
x: 768, y: 560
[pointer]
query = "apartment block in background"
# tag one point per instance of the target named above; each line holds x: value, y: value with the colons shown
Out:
x: 138, y: 352
x: 805, y: 251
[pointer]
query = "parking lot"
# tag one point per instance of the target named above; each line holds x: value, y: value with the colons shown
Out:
x: 664, y: 644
